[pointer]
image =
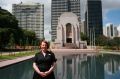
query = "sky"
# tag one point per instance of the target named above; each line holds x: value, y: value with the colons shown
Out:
x: 110, y: 11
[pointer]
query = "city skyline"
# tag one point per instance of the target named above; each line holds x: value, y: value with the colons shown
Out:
x: 111, y: 10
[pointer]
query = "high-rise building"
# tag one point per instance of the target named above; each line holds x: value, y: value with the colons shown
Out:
x: 60, y: 6
x: 110, y: 30
x: 93, y: 17
x: 83, y: 27
x: 30, y: 16
x: 118, y: 29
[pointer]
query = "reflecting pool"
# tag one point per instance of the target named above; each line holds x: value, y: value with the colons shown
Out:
x: 88, y: 66
x: 21, y: 70
x: 72, y: 66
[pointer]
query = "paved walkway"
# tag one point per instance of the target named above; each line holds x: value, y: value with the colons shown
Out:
x: 9, y: 62
x: 74, y: 51
x: 110, y: 52
x: 9, y: 53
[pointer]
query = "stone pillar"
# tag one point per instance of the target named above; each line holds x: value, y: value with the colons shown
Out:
x: 73, y: 34
x: 64, y: 33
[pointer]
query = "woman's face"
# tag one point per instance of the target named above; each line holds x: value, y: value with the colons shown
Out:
x: 43, y: 46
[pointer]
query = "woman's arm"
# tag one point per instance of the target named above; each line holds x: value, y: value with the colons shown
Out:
x: 38, y: 71
x: 51, y: 69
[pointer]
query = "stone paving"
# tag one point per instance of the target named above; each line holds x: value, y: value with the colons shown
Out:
x: 9, y: 62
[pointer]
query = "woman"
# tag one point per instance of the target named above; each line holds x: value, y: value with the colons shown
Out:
x: 44, y: 63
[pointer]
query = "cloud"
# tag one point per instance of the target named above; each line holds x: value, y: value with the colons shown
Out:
x: 7, y: 4
x: 82, y: 8
x: 2, y: 2
x: 108, y: 5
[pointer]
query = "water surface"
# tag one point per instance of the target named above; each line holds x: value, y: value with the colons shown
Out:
x: 71, y: 66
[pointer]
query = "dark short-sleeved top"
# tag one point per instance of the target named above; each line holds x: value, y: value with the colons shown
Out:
x: 44, y: 63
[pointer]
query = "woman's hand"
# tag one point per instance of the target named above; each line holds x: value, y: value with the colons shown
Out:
x: 51, y: 69
x: 43, y: 74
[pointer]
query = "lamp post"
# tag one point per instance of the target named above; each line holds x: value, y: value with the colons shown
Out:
x: 90, y: 37
x: 94, y: 38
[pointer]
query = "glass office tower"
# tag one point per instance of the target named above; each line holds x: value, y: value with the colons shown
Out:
x: 60, y: 6
x: 93, y: 17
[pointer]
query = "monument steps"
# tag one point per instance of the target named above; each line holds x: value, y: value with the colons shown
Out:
x: 69, y: 45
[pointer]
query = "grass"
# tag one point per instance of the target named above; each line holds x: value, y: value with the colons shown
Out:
x: 15, y: 55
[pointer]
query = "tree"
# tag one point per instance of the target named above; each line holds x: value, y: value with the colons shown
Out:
x: 4, y: 35
x: 11, y: 43
x: 7, y: 20
x: 8, y: 26
x: 29, y: 36
x: 116, y: 41
x: 83, y: 37
x: 101, y: 40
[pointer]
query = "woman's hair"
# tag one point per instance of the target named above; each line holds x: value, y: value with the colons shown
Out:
x: 44, y: 42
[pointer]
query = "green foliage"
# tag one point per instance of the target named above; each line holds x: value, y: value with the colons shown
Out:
x: 83, y: 37
x: 108, y: 43
x: 11, y: 34
x: 116, y: 42
x: 29, y: 36
x: 11, y: 41
x: 7, y: 20
x: 101, y: 40
x: 4, y: 37
x: 16, y: 55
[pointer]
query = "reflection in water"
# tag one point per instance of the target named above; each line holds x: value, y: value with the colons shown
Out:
x: 86, y: 66
x: 22, y: 70
x: 112, y: 66
x: 80, y: 66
